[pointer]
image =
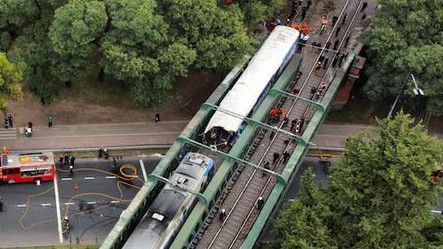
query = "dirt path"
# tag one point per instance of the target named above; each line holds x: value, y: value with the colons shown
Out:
x: 95, y: 103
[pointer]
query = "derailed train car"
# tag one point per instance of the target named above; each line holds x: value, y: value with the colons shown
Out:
x: 169, y: 210
x: 252, y: 86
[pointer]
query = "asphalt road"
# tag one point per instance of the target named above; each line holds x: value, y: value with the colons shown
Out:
x: 92, y: 198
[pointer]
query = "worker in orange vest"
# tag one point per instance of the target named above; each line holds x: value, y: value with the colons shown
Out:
x: 5, y: 150
x: 324, y: 24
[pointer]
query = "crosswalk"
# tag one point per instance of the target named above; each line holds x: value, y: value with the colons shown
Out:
x: 6, y: 134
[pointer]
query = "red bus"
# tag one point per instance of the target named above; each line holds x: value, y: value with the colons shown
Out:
x: 30, y: 167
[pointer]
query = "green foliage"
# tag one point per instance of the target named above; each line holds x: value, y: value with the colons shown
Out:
x: 5, y: 41
x: 379, y: 194
x: 256, y: 11
x: 309, y: 229
x: 407, y: 38
x: 75, y: 28
x: 10, y: 82
x: 146, y: 44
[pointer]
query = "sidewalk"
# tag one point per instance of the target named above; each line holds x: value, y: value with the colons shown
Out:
x: 144, y: 134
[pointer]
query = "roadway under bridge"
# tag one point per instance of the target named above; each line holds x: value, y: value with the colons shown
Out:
x: 241, y: 177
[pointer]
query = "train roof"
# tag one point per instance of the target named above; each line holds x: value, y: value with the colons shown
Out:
x: 253, y: 81
x: 167, y: 203
x: 193, y: 165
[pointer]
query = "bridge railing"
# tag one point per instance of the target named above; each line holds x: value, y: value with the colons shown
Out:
x: 214, y: 189
x: 145, y: 196
x: 294, y: 162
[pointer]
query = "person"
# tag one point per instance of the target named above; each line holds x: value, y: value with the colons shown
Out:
x: 346, y: 41
x: 1, y: 204
x: 66, y: 161
x: 157, y: 117
x: 302, y: 122
x: 260, y: 203
x: 337, y: 31
x: 325, y: 63
x: 28, y: 129
x: 71, y: 170
x: 72, y: 161
x: 10, y: 121
x: 336, y: 43
x: 222, y: 215
x: 308, y: 4
x: 363, y: 7
x: 100, y: 152
x: 60, y: 160
x: 5, y: 150
x: 328, y: 45
x: 49, y: 121
x: 343, y: 20
x: 6, y: 123
x: 318, y: 67
x: 286, y: 156
x: 334, y: 61
x: 266, y: 166
x: 293, y: 123
x: 324, y: 24
x: 105, y: 154
x: 334, y: 20
x: 297, y: 128
x: 271, y: 136
x: 65, y: 224
x: 363, y: 16
x: 304, y: 11
x: 285, y: 122
x: 275, y: 157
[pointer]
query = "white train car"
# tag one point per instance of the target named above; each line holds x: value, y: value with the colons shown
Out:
x: 252, y: 86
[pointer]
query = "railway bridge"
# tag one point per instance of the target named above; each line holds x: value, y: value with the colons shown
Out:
x: 254, y: 167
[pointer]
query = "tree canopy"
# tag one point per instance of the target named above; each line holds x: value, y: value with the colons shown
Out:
x: 10, y: 82
x: 146, y: 44
x: 407, y: 37
x: 379, y: 195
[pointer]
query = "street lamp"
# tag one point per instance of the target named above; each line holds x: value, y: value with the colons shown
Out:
x: 417, y: 91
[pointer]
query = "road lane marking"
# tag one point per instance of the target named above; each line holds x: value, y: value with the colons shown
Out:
x: 436, y: 211
x: 91, y: 202
x: 46, y: 204
x: 142, y: 165
x: 69, y: 203
x: 115, y: 201
x: 57, y: 204
x: 66, y: 179
x: 89, y: 178
x: 111, y: 177
x: 21, y: 205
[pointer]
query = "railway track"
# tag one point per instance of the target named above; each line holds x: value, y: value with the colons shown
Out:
x: 247, y: 184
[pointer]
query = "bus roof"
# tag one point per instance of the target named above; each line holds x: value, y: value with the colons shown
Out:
x: 29, y: 159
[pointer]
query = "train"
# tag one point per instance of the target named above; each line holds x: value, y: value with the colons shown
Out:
x: 251, y: 88
x: 170, y: 208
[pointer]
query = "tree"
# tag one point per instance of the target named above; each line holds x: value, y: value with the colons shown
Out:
x: 379, y: 194
x: 406, y: 38
x: 73, y: 35
x: 309, y: 229
x: 10, y: 82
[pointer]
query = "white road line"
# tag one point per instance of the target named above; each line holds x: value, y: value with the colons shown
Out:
x: 115, y: 201
x: 111, y: 177
x: 66, y: 179
x: 57, y: 204
x: 89, y: 178
x: 436, y: 211
x: 69, y: 203
x: 91, y: 202
x: 142, y: 165
x: 46, y: 204
x: 21, y: 205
